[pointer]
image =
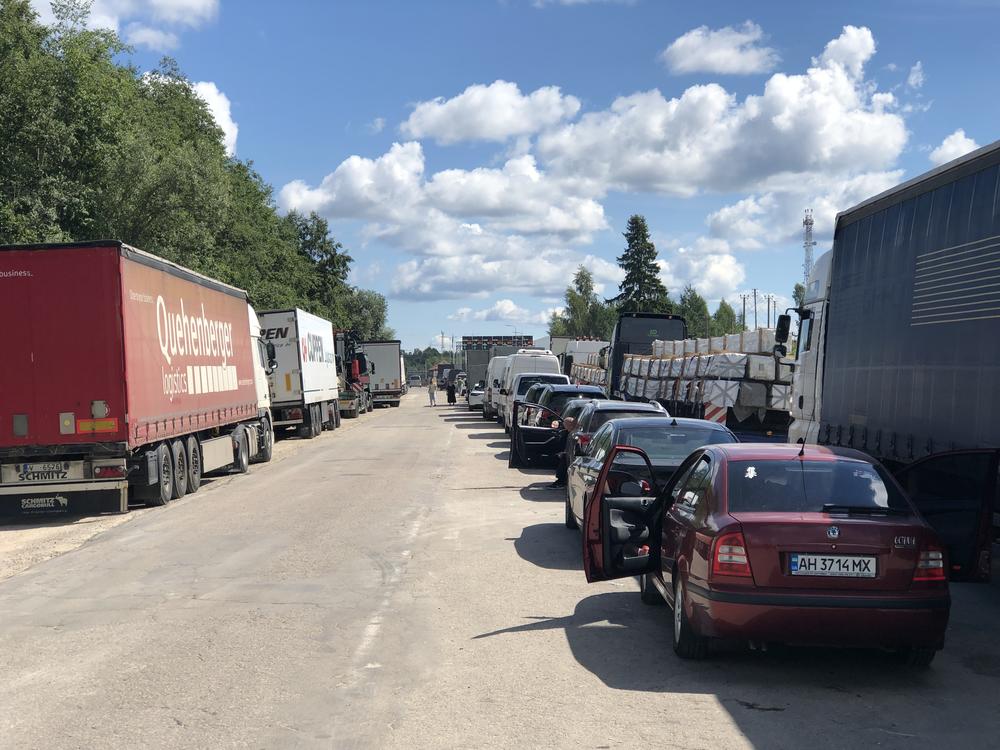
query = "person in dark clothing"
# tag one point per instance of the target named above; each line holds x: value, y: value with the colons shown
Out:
x: 451, y: 393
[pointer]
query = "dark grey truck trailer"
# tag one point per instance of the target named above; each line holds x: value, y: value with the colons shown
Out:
x: 900, y: 338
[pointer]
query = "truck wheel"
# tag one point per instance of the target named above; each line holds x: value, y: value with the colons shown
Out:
x: 241, y: 464
x: 317, y: 412
x: 266, y: 443
x: 194, y: 464
x: 180, y: 470
x: 160, y: 493
x: 336, y: 418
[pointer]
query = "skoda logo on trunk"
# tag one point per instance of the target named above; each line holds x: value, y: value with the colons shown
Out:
x: 833, y: 532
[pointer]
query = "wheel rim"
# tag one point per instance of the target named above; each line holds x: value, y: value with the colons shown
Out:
x: 678, y: 610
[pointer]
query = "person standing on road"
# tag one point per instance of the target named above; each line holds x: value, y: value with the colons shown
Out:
x: 451, y: 392
x: 430, y: 392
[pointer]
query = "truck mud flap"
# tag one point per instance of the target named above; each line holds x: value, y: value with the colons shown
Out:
x: 64, y: 500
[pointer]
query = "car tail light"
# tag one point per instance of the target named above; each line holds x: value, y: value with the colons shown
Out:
x: 729, y: 557
x: 109, y: 472
x: 930, y: 564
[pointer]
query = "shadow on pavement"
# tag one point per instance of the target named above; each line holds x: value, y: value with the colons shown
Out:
x: 489, y: 436
x: 540, y: 492
x: 794, y: 697
x: 549, y: 545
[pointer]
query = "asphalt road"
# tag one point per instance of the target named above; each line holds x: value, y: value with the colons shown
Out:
x: 396, y: 585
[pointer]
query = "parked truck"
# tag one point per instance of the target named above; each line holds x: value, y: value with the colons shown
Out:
x: 128, y: 377
x: 634, y: 333
x: 354, y: 375
x: 475, y: 365
x: 442, y: 373
x: 899, y: 348
x: 304, y: 385
x: 386, y: 372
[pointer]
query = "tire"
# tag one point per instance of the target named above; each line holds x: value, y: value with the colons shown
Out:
x: 394, y: 404
x: 241, y: 464
x: 570, y: 518
x: 648, y: 592
x: 687, y: 643
x: 919, y: 658
x: 178, y: 458
x: 336, y: 417
x: 266, y: 443
x: 317, y: 419
x: 194, y: 464
x: 161, y: 492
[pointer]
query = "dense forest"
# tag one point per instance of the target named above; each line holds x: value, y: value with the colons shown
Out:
x: 91, y: 147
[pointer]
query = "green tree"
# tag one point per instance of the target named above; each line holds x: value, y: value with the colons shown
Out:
x: 724, y: 320
x: 91, y: 147
x: 694, y: 309
x: 799, y: 295
x: 641, y: 290
x: 585, y: 314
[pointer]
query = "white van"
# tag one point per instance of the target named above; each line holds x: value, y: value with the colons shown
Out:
x: 540, y: 361
x: 494, y: 378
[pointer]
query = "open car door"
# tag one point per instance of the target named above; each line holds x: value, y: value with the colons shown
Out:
x: 955, y: 492
x: 537, y: 433
x: 621, y: 521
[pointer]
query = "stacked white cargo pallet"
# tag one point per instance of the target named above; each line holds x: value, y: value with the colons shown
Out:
x: 725, y: 379
x: 588, y: 369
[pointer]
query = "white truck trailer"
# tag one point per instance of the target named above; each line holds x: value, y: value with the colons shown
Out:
x: 387, y: 375
x: 304, y: 385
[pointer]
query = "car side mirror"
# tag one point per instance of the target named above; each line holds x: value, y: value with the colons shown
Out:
x: 782, y: 329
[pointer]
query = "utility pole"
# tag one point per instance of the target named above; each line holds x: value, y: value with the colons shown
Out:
x: 770, y: 299
x: 442, y: 342
x: 743, y: 321
x: 755, y: 308
x: 453, y: 348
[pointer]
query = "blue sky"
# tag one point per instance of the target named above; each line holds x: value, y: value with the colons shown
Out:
x: 470, y: 154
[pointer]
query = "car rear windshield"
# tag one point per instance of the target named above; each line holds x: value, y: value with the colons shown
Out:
x: 557, y: 401
x: 600, y: 417
x: 795, y: 486
x: 671, y: 445
x: 525, y: 383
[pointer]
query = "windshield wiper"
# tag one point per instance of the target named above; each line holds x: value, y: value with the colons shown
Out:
x: 866, y: 509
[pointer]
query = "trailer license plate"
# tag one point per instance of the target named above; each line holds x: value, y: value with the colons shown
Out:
x: 843, y: 566
x: 46, y: 471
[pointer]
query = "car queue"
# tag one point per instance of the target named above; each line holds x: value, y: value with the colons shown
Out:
x: 759, y: 543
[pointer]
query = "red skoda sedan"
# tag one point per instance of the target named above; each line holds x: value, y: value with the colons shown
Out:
x: 776, y: 543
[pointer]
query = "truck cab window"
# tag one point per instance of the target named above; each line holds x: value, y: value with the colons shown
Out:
x: 805, y: 336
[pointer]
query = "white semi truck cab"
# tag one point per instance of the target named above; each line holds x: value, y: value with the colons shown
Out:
x: 807, y: 384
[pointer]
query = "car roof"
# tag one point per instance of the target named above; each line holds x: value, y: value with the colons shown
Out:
x: 789, y: 451
x: 538, y: 375
x: 630, y: 422
x: 610, y: 405
x: 564, y: 388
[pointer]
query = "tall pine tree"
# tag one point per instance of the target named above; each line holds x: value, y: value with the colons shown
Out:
x: 641, y: 290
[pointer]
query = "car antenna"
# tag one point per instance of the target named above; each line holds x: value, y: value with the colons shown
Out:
x: 802, y: 450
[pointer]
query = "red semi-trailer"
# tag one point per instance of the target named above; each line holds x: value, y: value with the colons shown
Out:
x: 125, y: 373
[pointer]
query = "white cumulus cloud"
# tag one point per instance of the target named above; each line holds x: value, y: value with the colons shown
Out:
x: 219, y: 105
x: 726, y: 50
x: 187, y: 12
x: 157, y: 40
x: 825, y: 120
x: 953, y: 146
x: 491, y: 113
x: 915, y: 78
